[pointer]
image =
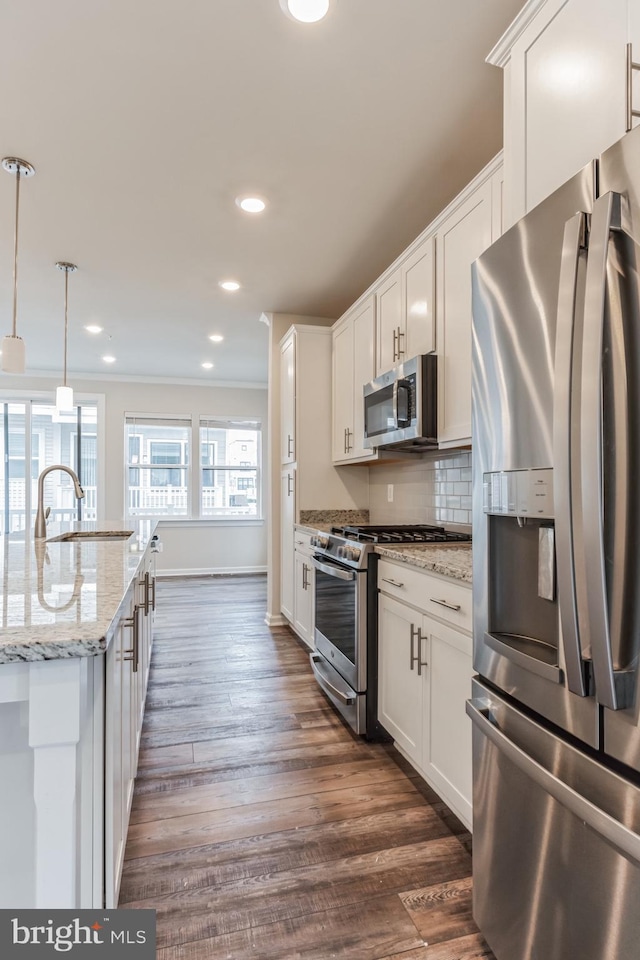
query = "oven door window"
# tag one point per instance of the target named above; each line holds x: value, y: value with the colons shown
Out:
x: 336, y: 612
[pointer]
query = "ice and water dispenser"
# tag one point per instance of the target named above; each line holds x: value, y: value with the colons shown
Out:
x: 523, y: 611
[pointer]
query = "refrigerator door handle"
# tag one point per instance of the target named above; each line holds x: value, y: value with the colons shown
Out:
x: 622, y: 838
x: 611, y: 686
x: 573, y: 248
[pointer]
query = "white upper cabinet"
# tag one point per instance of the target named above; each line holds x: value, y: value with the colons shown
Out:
x: 391, y: 333
x: 405, y: 309
x: 288, y: 400
x: 462, y: 237
x: 418, y: 288
x: 353, y: 340
x: 565, y: 91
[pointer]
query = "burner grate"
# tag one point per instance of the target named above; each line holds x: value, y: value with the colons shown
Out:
x: 407, y: 533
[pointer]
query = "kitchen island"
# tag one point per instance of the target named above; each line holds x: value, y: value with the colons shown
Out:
x: 74, y: 655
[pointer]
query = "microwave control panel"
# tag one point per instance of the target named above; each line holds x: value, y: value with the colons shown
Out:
x: 519, y: 493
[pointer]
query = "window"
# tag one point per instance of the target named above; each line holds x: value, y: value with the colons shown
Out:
x: 68, y: 438
x: 157, y: 466
x: 225, y: 482
x: 232, y: 489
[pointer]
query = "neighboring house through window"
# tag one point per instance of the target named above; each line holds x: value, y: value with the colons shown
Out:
x: 163, y: 481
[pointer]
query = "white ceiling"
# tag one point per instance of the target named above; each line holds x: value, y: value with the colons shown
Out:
x: 146, y: 119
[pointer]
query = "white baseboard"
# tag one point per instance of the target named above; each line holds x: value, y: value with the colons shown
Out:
x: 276, y: 620
x: 210, y: 572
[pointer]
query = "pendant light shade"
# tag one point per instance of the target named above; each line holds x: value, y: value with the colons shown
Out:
x: 64, y: 393
x: 13, y: 353
x: 64, y: 399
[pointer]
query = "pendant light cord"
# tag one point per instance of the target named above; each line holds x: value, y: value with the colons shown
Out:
x: 66, y: 323
x: 15, y: 259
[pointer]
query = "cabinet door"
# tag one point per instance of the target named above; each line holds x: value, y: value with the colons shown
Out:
x: 343, y: 391
x: 447, y: 734
x: 114, y: 784
x: 363, y: 372
x: 567, y: 98
x: 400, y: 687
x: 390, y: 334
x: 288, y: 401
x: 461, y: 239
x: 287, y: 520
x: 304, y: 580
x: 418, y: 287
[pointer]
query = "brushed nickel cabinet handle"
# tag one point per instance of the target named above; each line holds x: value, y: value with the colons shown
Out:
x: 395, y: 354
x: 400, y: 334
x: 631, y: 66
x: 289, y: 484
x: 289, y: 445
x: 413, y: 634
x: 135, y: 649
x: 445, y: 603
x: 394, y: 583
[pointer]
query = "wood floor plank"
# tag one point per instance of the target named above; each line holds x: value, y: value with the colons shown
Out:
x: 367, y: 931
x: 195, y: 914
x: 442, y: 911
x: 262, y: 827
x: 199, y: 799
x: 214, y: 864
x: 180, y: 833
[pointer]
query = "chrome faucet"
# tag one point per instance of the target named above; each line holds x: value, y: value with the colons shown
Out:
x: 40, y: 530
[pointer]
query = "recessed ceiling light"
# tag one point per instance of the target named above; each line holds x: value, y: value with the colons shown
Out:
x: 207, y: 365
x: 216, y: 338
x: 229, y: 284
x: 93, y: 328
x: 251, y: 204
x: 307, y: 11
x: 109, y: 359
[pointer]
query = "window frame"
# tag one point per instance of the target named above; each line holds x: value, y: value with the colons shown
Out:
x: 48, y: 398
x: 194, y: 469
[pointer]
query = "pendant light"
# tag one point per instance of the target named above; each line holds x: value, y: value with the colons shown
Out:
x: 13, y: 345
x: 64, y: 393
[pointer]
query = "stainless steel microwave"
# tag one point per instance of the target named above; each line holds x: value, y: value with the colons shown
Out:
x: 400, y: 407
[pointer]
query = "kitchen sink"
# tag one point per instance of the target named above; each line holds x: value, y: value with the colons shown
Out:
x: 92, y: 535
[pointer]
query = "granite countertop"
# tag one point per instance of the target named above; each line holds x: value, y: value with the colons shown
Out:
x: 321, y: 521
x: 448, y: 559
x: 62, y: 599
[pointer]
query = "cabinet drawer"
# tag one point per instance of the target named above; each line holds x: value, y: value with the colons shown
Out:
x: 437, y: 596
x: 302, y: 542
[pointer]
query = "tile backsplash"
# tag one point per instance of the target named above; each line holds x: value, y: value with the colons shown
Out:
x: 434, y: 489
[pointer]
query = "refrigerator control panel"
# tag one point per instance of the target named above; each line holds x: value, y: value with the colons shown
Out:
x: 519, y: 493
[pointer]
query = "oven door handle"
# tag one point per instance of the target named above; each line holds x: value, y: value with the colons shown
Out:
x: 333, y: 570
x: 316, y: 665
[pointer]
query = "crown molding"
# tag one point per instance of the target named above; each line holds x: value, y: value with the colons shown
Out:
x: 501, y: 53
x: 126, y: 378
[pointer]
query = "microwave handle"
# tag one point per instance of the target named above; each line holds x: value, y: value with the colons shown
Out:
x: 405, y: 387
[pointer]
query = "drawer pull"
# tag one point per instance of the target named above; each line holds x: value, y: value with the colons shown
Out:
x: 395, y: 583
x: 445, y: 603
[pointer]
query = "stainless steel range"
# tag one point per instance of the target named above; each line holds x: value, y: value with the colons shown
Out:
x: 345, y: 661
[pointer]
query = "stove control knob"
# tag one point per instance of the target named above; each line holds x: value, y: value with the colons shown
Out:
x: 319, y: 541
x: 341, y: 552
x: 353, y: 553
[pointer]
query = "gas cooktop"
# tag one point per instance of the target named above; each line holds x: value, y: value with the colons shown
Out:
x: 411, y: 533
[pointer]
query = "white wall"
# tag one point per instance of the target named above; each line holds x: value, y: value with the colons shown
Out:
x: 189, y: 547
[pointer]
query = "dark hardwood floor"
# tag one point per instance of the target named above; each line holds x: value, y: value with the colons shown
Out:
x: 261, y: 827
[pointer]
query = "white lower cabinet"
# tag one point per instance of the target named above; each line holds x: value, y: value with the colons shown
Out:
x: 127, y: 671
x: 400, y: 686
x: 303, y: 599
x: 424, y: 678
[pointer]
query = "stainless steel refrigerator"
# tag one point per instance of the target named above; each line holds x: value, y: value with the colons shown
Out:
x: 555, y: 709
